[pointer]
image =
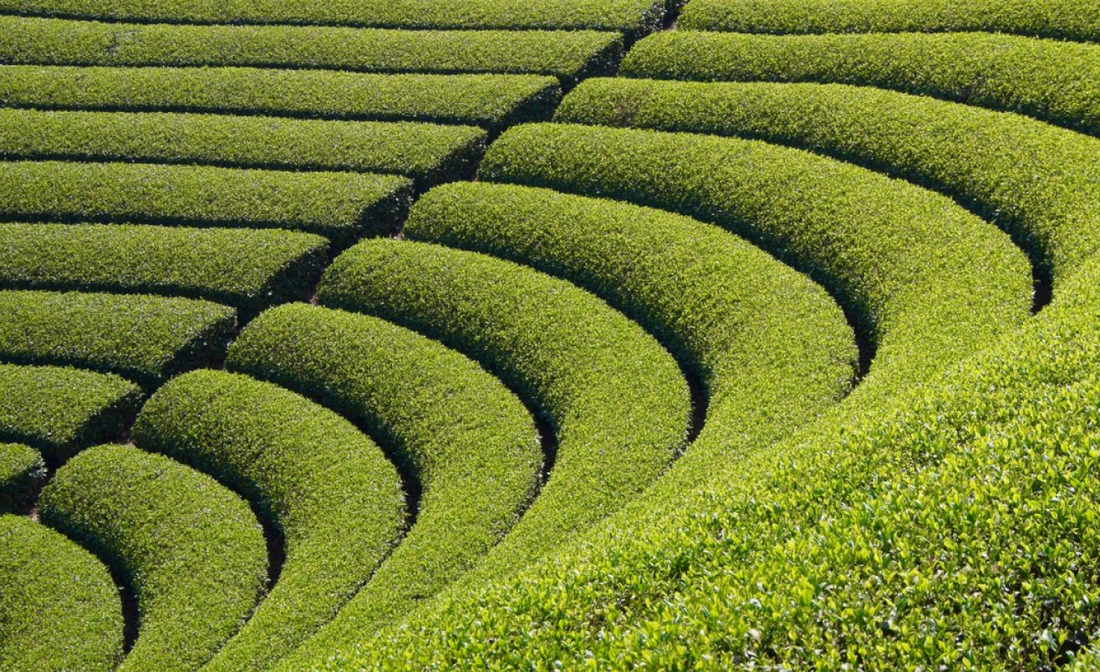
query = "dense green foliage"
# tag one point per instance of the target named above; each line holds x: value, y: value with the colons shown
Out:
x: 191, y: 550
x: 769, y: 347
x: 60, y: 410
x: 247, y: 268
x: 616, y: 401
x: 493, y: 101
x: 21, y: 472
x: 1049, y: 80
x: 631, y: 16
x: 467, y: 442
x: 952, y: 526
x: 1073, y: 19
x: 334, y: 498
x: 427, y: 152
x: 337, y: 205
x: 569, y: 55
x: 145, y: 338
x: 895, y: 257
x: 59, y: 609
x: 976, y: 155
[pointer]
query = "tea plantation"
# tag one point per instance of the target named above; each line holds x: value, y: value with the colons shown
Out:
x: 347, y: 335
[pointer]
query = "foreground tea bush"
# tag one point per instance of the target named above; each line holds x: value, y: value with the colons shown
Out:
x: 895, y: 258
x: 492, y: 101
x: 970, y: 153
x: 21, y: 472
x: 629, y: 16
x: 60, y: 410
x: 246, y: 268
x: 329, y: 491
x: 464, y: 439
x: 770, y: 348
x: 568, y: 55
x: 191, y: 550
x: 337, y: 205
x: 1069, y: 19
x: 619, y: 418
x: 145, y: 338
x: 1045, y: 79
x: 59, y: 608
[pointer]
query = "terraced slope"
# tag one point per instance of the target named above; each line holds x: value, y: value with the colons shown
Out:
x: 419, y: 334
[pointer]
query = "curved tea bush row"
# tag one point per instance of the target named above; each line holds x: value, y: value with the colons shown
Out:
x: 60, y: 410
x: 1052, y: 207
x: 21, y: 470
x: 896, y: 255
x: 628, y: 16
x: 1045, y: 79
x: 950, y: 526
x: 59, y: 608
x: 192, y: 550
x: 247, y: 268
x: 427, y: 152
x: 468, y: 443
x: 1072, y: 19
x: 326, y: 487
x: 568, y: 55
x: 615, y: 399
x: 339, y: 206
x: 771, y: 349
x: 493, y: 101
x: 145, y: 338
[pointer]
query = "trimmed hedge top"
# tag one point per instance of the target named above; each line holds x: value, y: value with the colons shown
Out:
x: 21, y: 470
x: 492, y: 101
x: 629, y: 16
x: 337, y: 205
x: 248, y: 268
x: 427, y: 152
x: 60, y: 610
x: 146, y: 338
x: 60, y: 410
x: 1051, y: 208
x: 191, y: 550
x: 1049, y: 80
x: 328, y: 490
x: 770, y: 347
x: 461, y: 436
x: 615, y: 399
x: 894, y: 254
x: 569, y: 55
x: 1072, y: 19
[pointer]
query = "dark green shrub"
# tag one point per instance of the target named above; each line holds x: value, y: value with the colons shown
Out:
x: 191, y: 550
x: 21, y: 472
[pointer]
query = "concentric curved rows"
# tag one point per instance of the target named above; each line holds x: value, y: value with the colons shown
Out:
x: 677, y: 307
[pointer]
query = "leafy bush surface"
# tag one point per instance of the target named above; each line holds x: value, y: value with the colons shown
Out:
x: 21, y: 472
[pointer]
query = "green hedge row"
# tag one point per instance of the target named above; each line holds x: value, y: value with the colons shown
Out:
x: 569, y: 55
x: 770, y: 347
x: 246, y: 268
x: 145, y: 338
x: 61, y: 410
x: 949, y: 527
x: 59, y: 608
x: 973, y: 154
x: 21, y: 472
x: 1071, y: 19
x: 1050, y: 80
x: 628, y: 16
x: 616, y: 400
x: 340, y: 206
x: 326, y: 487
x: 466, y: 441
x: 191, y: 550
x: 427, y: 152
x: 920, y: 277
x: 492, y: 101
